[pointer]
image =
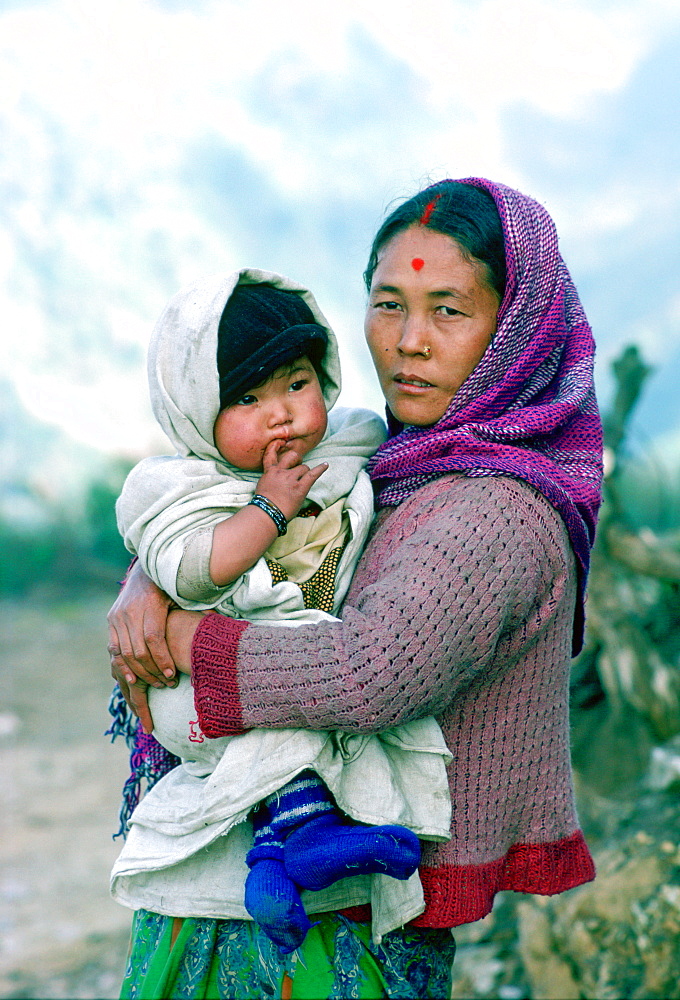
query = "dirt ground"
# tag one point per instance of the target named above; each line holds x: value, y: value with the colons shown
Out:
x: 61, y: 934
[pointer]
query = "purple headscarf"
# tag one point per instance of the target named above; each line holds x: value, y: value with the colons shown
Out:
x: 528, y: 409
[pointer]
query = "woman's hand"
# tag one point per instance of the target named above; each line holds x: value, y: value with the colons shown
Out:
x: 137, y: 622
x: 137, y: 647
x: 141, y: 655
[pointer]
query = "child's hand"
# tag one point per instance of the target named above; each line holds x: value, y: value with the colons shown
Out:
x: 285, y: 480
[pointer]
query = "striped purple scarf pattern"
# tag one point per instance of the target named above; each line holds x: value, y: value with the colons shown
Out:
x: 528, y: 409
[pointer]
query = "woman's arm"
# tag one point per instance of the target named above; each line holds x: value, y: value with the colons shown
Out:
x: 455, y: 584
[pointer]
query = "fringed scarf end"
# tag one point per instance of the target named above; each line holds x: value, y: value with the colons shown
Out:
x: 149, y: 761
x: 124, y: 721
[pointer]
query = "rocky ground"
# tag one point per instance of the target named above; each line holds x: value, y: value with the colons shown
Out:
x: 617, y: 938
x: 63, y: 937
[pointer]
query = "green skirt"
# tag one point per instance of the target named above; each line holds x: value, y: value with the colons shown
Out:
x: 234, y: 960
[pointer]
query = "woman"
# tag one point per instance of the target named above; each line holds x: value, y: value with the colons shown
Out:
x: 467, y: 602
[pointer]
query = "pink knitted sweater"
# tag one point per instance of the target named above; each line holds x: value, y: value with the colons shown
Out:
x: 461, y: 607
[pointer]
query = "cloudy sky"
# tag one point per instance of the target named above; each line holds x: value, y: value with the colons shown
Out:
x: 145, y: 142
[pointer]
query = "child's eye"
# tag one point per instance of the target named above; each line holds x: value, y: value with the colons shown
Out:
x: 247, y: 400
x: 299, y: 383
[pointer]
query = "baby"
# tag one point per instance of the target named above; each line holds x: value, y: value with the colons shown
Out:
x: 243, y: 372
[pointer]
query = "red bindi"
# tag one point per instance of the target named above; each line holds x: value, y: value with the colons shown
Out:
x: 417, y: 263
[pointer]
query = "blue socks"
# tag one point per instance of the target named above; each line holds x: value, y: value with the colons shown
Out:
x: 326, y: 849
x: 272, y: 898
x: 302, y: 840
x: 273, y: 901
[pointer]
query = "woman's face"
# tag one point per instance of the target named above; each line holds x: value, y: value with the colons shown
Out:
x: 430, y: 318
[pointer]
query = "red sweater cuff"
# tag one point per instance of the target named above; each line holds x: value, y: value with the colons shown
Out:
x: 213, y: 674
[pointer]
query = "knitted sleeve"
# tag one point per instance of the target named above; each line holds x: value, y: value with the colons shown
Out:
x: 453, y: 586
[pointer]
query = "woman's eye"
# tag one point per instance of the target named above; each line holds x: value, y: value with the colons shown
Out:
x: 448, y: 311
x: 246, y: 400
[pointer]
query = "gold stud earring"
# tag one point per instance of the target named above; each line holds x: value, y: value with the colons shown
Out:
x: 426, y: 352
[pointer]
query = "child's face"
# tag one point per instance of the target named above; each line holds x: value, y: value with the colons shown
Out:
x: 288, y: 407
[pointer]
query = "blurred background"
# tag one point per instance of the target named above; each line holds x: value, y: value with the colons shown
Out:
x: 146, y: 142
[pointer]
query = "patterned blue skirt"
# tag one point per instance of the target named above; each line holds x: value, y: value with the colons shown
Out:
x: 234, y: 960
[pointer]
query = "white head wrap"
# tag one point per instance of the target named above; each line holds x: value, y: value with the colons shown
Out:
x: 182, y: 364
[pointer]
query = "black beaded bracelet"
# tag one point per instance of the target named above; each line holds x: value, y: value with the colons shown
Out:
x: 270, y: 508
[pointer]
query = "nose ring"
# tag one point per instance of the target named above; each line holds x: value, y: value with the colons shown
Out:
x: 426, y: 352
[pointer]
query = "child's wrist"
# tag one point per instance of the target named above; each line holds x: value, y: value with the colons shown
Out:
x: 277, y: 515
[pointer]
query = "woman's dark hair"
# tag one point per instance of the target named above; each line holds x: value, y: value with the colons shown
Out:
x: 465, y: 213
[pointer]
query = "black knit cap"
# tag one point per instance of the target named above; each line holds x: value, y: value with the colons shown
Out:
x: 262, y: 328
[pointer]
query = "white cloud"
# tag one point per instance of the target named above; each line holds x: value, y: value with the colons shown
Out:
x: 112, y: 415
x: 104, y: 104
x: 552, y: 54
x: 139, y: 81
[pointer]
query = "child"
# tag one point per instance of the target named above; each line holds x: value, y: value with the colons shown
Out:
x: 243, y: 372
